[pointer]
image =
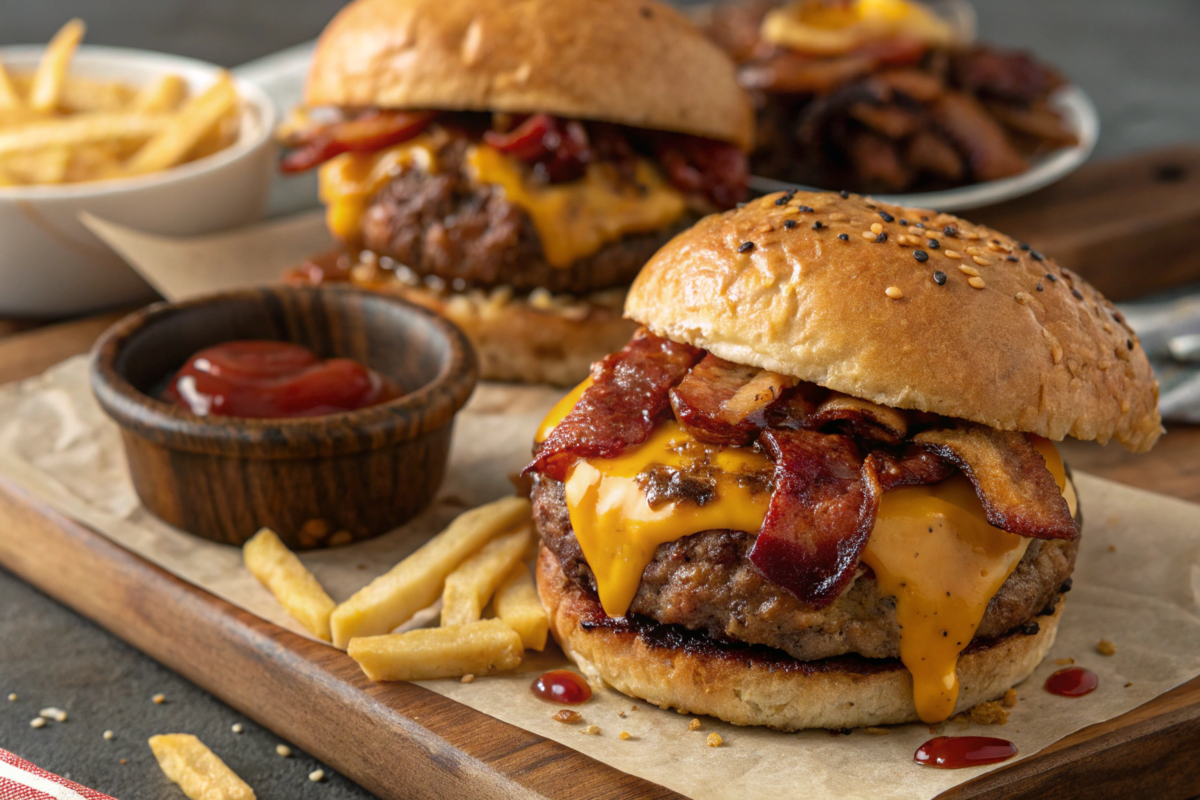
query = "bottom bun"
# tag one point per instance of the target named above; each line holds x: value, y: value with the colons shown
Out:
x: 674, y: 668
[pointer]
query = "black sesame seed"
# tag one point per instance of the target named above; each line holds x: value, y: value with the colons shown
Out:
x: 1066, y: 585
x: 881, y: 238
x: 945, y: 633
x: 1051, y: 277
x: 904, y: 222
x: 1024, y: 246
x: 886, y: 216
x: 1030, y: 628
x: 1013, y: 259
x: 745, y: 247
x: 845, y: 237
x: 934, y: 244
x: 1075, y: 292
x: 791, y: 223
x: 782, y: 200
x: 804, y: 209
x: 1039, y: 287
x: 845, y: 195
x: 939, y: 277
x: 1129, y: 343
x: 950, y: 230
x: 920, y: 224
x: 920, y: 255
x: 817, y: 225
x: 1035, y: 255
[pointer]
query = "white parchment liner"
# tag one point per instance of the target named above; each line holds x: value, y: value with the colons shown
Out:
x: 1143, y: 594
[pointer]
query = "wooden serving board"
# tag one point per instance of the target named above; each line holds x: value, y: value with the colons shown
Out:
x: 402, y: 741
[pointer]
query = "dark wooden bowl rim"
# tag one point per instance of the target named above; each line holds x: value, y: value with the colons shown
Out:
x: 424, y: 409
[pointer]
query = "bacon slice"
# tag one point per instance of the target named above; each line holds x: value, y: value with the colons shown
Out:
x: 820, y: 516
x: 864, y: 419
x: 1016, y: 489
x: 721, y: 402
x: 988, y: 148
x: 914, y: 466
x: 627, y: 399
x: 373, y: 130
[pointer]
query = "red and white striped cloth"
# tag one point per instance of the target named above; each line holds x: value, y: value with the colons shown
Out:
x: 20, y: 780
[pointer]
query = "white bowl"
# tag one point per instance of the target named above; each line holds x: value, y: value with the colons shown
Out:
x: 52, y: 266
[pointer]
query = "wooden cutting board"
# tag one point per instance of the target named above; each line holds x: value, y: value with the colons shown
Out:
x: 401, y: 741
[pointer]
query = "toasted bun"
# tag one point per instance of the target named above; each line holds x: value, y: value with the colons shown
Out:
x: 780, y: 693
x: 634, y: 62
x: 1056, y: 360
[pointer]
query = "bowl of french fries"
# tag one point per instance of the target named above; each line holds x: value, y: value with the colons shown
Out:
x: 163, y: 144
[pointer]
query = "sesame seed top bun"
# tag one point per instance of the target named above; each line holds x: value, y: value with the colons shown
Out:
x: 634, y: 62
x: 976, y: 327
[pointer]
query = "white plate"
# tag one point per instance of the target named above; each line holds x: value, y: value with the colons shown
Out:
x: 1081, y: 116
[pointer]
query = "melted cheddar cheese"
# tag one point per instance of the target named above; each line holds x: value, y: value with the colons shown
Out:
x: 350, y: 180
x: 931, y: 548
x: 576, y: 218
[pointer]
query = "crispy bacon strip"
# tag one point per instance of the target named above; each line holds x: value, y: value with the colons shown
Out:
x: 914, y: 466
x: 866, y: 420
x: 721, y: 402
x: 821, y: 514
x: 1016, y: 489
x: 988, y: 148
x: 627, y: 399
x: 373, y: 130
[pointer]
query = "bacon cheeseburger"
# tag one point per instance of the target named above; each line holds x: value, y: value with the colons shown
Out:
x: 818, y: 488
x: 514, y: 164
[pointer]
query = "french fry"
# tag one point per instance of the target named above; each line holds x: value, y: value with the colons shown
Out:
x: 469, y: 587
x: 81, y: 129
x: 48, y: 81
x: 296, y: 589
x: 164, y: 94
x: 196, y: 769
x: 9, y: 98
x: 477, y: 648
x: 87, y: 95
x: 198, y: 116
x: 517, y: 606
x: 414, y: 583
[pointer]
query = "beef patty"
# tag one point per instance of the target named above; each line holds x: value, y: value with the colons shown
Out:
x: 705, y: 582
x: 445, y: 225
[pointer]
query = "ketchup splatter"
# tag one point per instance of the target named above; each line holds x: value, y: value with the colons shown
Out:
x: 562, y: 686
x: 956, y: 752
x: 266, y: 379
x: 1072, y: 682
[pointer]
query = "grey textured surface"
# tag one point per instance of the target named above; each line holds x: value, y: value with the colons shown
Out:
x: 1139, y: 62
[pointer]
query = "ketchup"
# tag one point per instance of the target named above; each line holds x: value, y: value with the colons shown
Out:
x: 1072, y: 682
x: 266, y: 379
x: 562, y: 686
x: 957, y: 752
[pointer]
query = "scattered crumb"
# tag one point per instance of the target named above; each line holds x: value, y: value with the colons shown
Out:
x: 714, y: 739
x: 317, y: 775
x: 237, y: 727
x: 56, y: 714
x: 159, y: 699
x: 633, y: 708
x: 621, y: 714
x: 1106, y: 648
x: 876, y: 731
x: 991, y: 712
x: 1063, y: 662
x: 468, y: 678
x: 935, y: 729
x: 37, y: 722
x: 283, y: 750
x: 1127, y: 685
x: 624, y: 736
x: 1112, y: 548
x: 681, y: 711
x: 12, y: 698
x: 123, y: 761
x: 108, y: 734
x: 590, y: 730
x: 568, y: 716
x: 694, y: 725
x: 1010, y: 698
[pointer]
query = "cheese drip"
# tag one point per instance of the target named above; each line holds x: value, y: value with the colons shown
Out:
x: 350, y: 180
x: 576, y: 218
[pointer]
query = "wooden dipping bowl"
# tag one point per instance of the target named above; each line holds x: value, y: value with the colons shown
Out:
x: 315, y: 481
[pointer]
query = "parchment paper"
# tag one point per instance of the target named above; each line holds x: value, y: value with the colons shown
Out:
x: 1144, y: 595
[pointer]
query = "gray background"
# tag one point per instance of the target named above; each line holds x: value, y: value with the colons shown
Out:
x: 1138, y: 60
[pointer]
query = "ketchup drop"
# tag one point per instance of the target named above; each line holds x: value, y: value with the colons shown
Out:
x: 957, y: 752
x: 1072, y: 682
x: 267, y: 379
x: 562, y: 686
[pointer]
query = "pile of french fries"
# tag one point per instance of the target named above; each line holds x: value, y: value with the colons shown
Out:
x: 60, y: 128
x: 480, y: 560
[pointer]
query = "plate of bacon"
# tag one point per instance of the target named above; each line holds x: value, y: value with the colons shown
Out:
x: 895, y: 99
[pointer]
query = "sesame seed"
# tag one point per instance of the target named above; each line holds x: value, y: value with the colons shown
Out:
x: 966, y: 269
x: 950, y: 230
x: 868, y: 235
x: 1052, y: 278
x: 995, y: 246
x: 876, y: 227
x: 903, y: 221
x: 56, y: 714
x: 845, y: 195
x: 317, y: 775
x: 745, y: 247
x: 893, y: 292
x: 590, y: 730
x: 1035, y: 255
x: 939, y: 277
x: 1023, y: 246
x: 981, y: 261
x: 953, y: 254
x: 1129, y: 344
x: 37, y: 722
x: 158, y: 699
x: 109, y: 735
x: 844, y: 237
x: 1106, y: 648
x: 12, y: 698
x: 976, y: 282
x: 783, y: 199
x: 920, y: 255
x: 237, y: 727
x: 886, y: 217
x: 468, y: 678
x: 974, y: 251
x: 694, y: 725
x: 791, y: 223
x: 817, y: 225
x: 624, y: 736
x: 1075, y: 292
x: 881, y: 238
x: 804, y: 209
x: 1022, y: 298
x: 713, y: 740
x: 1039, y: 287
x: 1013, y: 259
x: 283, y: 750
x: 933, y: 244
